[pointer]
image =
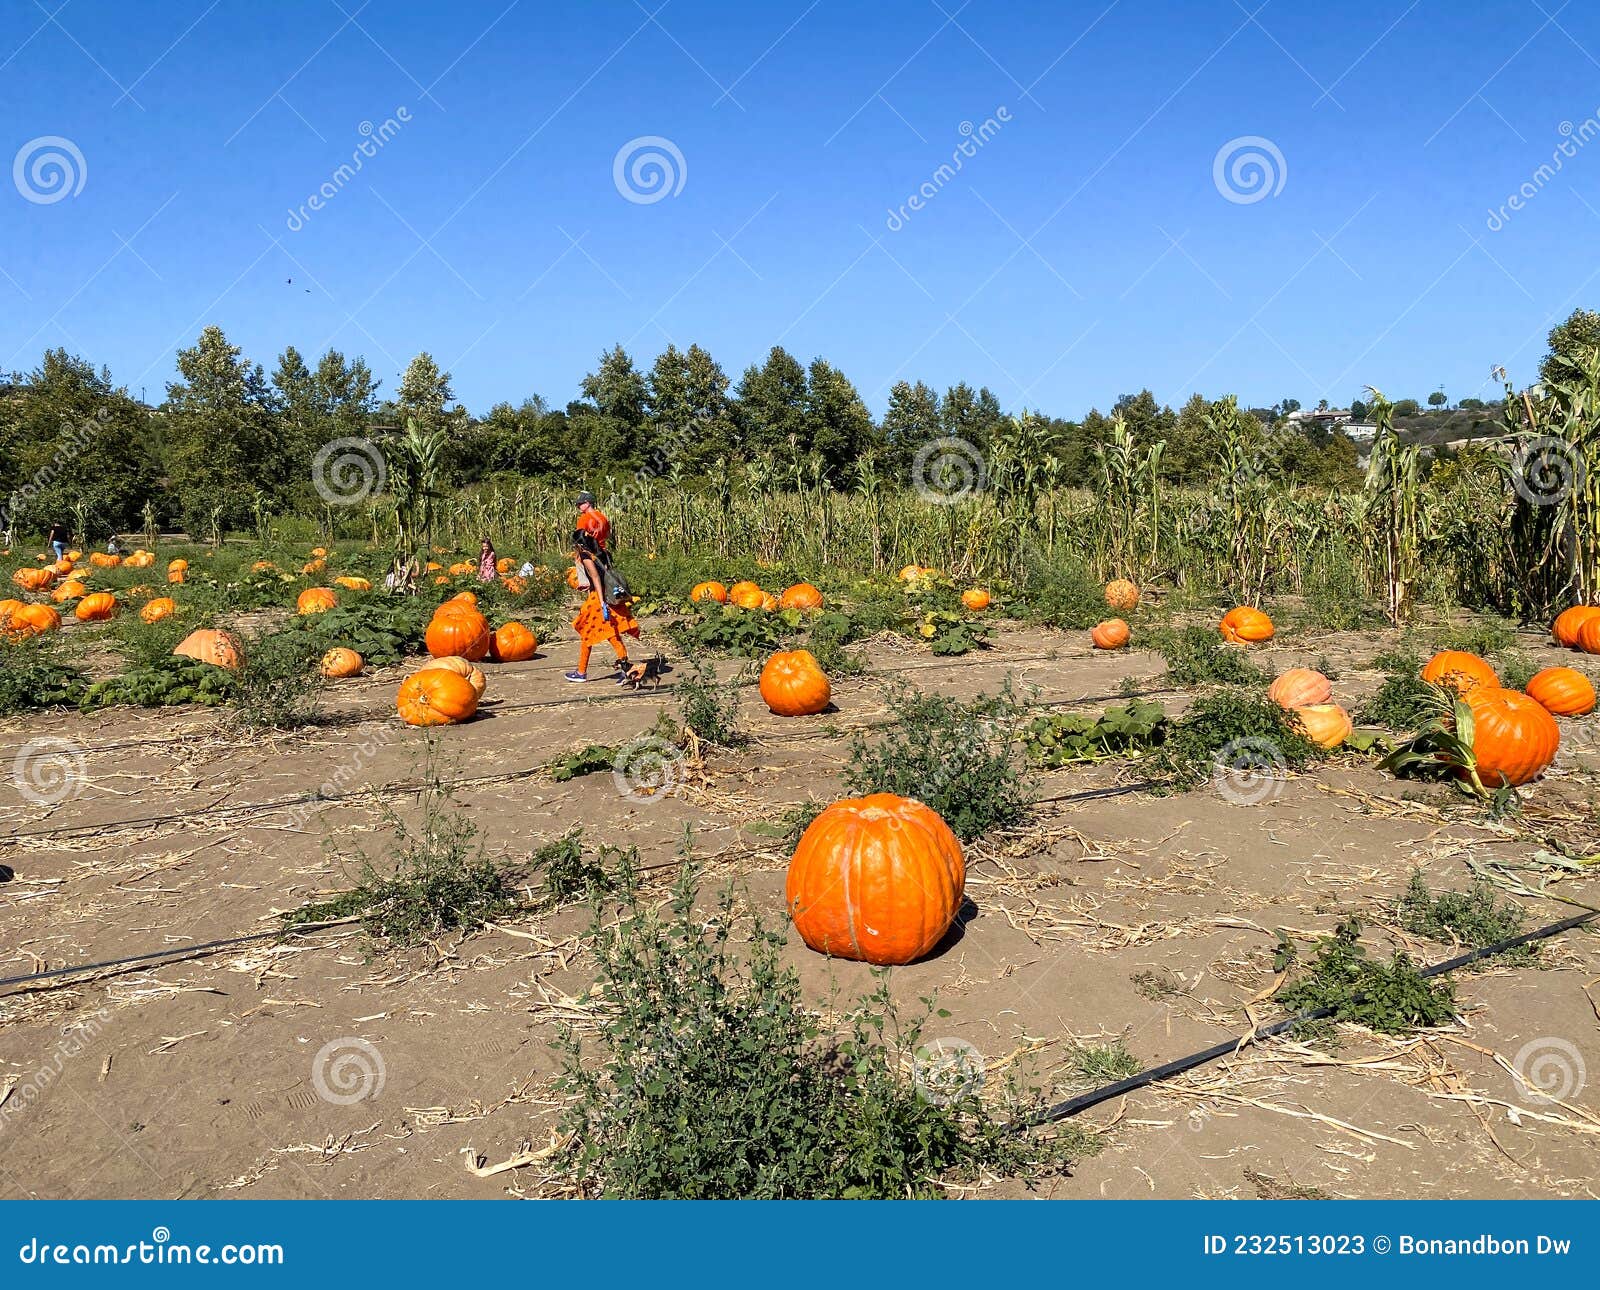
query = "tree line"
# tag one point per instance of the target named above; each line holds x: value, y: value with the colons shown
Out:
x: 231, y: 444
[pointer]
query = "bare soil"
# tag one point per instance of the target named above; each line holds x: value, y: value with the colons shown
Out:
x: 1113, y: 915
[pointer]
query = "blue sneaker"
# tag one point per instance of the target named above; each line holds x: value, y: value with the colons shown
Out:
x: 576, y: 676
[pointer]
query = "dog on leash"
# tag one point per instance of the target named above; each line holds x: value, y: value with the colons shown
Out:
x: 646, y: 673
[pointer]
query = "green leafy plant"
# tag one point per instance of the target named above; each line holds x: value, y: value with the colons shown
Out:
x: 161, y: 683
x: 278, y: 683
x: 726, y: 629
x: 963, y: 759
x: 383, y: 630
x: 1473, y: 918
x: 1393, y: 998
x: 33, y: 675
x: 950, y: 633
x: 711, y: 1077
x: 1198, y: 656
x: 570, y: 872
x: 1224, y: 720
x: 710, y: 707
x: 1067, y: 738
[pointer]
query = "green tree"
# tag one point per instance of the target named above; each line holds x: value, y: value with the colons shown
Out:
x: 426, y: 394
x: 974, y: 417
x: 1437, y: 399
x: 1580, y: 332
x: 689, y: 423
x: 611, y: 427
x: 770, y: 406
x: 224, y: 442
x: 838, y: 426
x: 71, y: 443
x: 910, y: 421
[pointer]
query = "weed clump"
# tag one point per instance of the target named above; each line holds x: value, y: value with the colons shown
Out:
x: 1393, y: 998
x: 714, y: 1080
x: 1228, y: 729
x: 1473, y: 918
x: 1198, y: 656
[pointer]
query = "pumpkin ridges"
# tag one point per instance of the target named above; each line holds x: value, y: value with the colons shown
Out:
x: 1122, y: 595
x: 435, y: 696
x: 1562, y: 691
x: 1459, y: 671
x: 1245, y: 625
x: 1514, y: 739
x: 793, y: 684
x: 1111, y: 634
x: 1588, y: 638
x: 1569, y: 621
x: 1300, y: 687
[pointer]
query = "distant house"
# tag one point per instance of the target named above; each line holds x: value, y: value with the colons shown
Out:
x: 1327, y: 418
x: 1359, y: 431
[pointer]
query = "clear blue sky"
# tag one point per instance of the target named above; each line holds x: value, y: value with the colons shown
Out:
x: 1401, y: 126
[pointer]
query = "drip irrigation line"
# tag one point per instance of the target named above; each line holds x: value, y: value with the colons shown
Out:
x: 1083, y: 1101
x: 170, y: 952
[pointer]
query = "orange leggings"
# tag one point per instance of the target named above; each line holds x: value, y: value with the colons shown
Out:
x: 583, y: 653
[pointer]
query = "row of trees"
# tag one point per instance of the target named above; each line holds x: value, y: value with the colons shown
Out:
x: 230, y: 443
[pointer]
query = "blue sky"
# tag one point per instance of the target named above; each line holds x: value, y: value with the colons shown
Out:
x: 1086, y: 249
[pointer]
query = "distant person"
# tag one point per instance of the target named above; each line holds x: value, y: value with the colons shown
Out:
x: 591, y: 519
x: 488, y: 564
x: 113, y: 547
x: 606, y: 616
x: 60, y: 535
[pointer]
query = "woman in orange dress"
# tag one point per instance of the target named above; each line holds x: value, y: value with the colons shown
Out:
x: 604, y: 617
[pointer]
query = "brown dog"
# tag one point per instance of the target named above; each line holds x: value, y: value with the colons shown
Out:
x: 647, y: 673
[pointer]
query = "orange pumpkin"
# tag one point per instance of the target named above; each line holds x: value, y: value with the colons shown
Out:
x: 102, y: 560
x: 33, y: 579
x: 1568, y: 621
x: 1245, y: 625
x: 572, y: 578
x: 709, y: 591
x: 435, y: 696
x: 515, y: 583
x: 505, y: 564
x: 177, y: 575
x: 263, y: 566
x: 468, y: 598
x: 1326, y: 724
x: 461, y: 667
x: 1122, y: 594
x: 157, y: 609
x: 352, y: 584
x: 460, y: 630
x: 793, y: 685
x: 319, y: 551
x: 177, y: 566
x: 1514, y: 739
x: 911, y: 572
x: 1111, y: 634
x: 215, y: 647
x: 62, y: 567
x: 69, y: 591
x: 878, y: 879
x: 29, y: 620
x: 769, y: 602
x: 1563, y: 691
x: 1300, y: 687
x: 313, y: 566
x: 1589, y: 635
x: 800, y: 596
x: 746, y: 595
x: 1459, y: 671
x: 340, y: 662
x: 96, y: 608
x: 976, y: 599
x: 316, y: 600
x: 512, y: 643
x: 433, y: 566
x: 462, y: 567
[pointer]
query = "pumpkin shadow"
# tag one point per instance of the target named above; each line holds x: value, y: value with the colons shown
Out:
x: 956, y: 932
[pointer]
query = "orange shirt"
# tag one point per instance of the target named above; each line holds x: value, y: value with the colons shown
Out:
x: 594, y: 521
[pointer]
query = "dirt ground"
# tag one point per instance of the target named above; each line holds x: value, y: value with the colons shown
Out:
x: 1113, y: 914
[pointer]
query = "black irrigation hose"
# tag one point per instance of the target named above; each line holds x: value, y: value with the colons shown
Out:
x: 169, y: 952
x: 1071, y: 1107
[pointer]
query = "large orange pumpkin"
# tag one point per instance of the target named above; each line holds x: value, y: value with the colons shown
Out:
x: 1300, y: 687
x: 793, y: 685
x: 339, y: 662
x: 460, y: 630
x: 177, y: 566
x: 1563, y: 691
x: 1459, y: 671
x: 976, y: 599
x: 1568, y: 621
x: 505, y: 564
x: 512, y: 643
x: 1513, y: 738
x: 29, y: 620
x: 746, y: 595
x: 911, y: 572
x: 1111, y: 634
x: 1122, y: 594
x: 461, y: 568
x: 353, y: 584
x: 435, y: 696
x: 878, y: 879
x: 96, y: 608
x: 709, y: 591
x: 157, y: 609
x: 800, y: 596
x: 461, y: 667
x: 1589, y: 635
x: 316, y: 600
x: 468, y: 598
x: 1245, y: 625
x: 215, y: 647
x: 103, y: 560
x: 1326, y: 724
x: 33, y: 579
x: 69, y: 591
x: 313, y: 566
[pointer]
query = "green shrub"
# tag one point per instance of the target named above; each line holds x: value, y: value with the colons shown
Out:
x: 33, y: 675
x: 711, y: 1078
x: 1063, y: 593
x: 710, y: 707
x: 965, y: 760
x: 1402, y: 703
x: 1473, y: 918
x: 1199, y: 656
x: 1067, y: 738
x: 161, y: 683
x: 279, y: 684
x: 1228, y: 728
x: 1393, y: 998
